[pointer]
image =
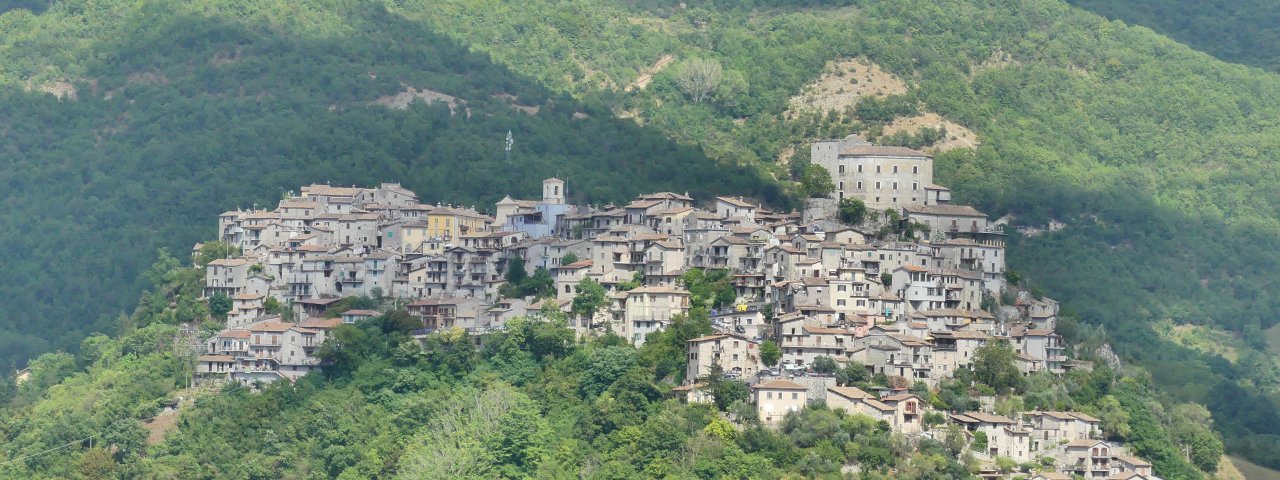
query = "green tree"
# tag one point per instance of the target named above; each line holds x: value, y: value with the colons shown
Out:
x: 215, y: 250
x: 97, y: 463
x: 569, y: 258
x: 853, y: 372
x: 637, y: 279
x: 979, y: 443
x: 1113, y: 417
x: 852, y: 211
x: 540, y: 285
x: 607, y: 365
x: 817, y: 182
x: 590, y: 299
x: 993, y: 365
x: 698, y: 77
x: 219, y: 305
x: 770, y: 353
x: 824, y: 364
x: 725, y: 392
x: 516, y: 274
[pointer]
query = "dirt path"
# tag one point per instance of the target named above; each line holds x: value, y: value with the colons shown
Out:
x: 646, y: 75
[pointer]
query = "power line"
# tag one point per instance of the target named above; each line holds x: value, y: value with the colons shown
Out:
x: 99, y: 434
x: 58, y: 448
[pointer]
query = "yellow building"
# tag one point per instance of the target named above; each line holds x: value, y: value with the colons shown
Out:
x: 452, y: 223
x: 416, y: 238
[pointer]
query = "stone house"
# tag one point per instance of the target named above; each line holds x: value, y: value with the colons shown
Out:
x: 734, y: 354
x: 855, y: 401
x: 1052, y: 428
x: 1005, y: 438
x: 776, y: 398
x: 880, y: 176
x: 649, y: 309
x: 1088, y: 458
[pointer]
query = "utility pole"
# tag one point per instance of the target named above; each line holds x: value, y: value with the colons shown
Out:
x: 509, y: 142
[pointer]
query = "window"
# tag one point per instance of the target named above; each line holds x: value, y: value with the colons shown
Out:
x: 915, y: 170
x: 842, y: 169
x: 795, y: 395
x: 859, y: 168
x: 877, y: 185
x: 895, y: 185
x: 895, y: 169
x: 841, y: 185
x: 877, y: 169
x: 859, y: 185
x: 768, y: 395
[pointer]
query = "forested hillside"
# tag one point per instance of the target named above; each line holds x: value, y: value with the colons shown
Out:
x: 530, y: 403
x: 1238, y: 31
x: 172, y: 112
x: 1160, y: 159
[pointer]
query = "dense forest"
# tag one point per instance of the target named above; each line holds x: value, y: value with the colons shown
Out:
x: 1160, y: 159
x: 1238, y: 31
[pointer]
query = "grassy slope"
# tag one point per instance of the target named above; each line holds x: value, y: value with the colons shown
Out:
x: 1252, y: 471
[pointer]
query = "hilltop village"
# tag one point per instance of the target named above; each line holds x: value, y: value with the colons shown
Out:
x: 887, y: 274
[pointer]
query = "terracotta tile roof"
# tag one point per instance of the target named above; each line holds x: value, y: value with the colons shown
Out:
x: 269, y: 327
x: 658, y: 289
x: 1135, y: 461
x: 231, y: 262
x: 781, y: 385
x: 899, y: 397
x: 737, y: 202
x: 1084, y: 417
x: 321, y: 323
x: 949, y: 210
x: 970, y: 417
x: 881, y: 150
x: 852, y: 393
x: 1084, y: 442
x: 878, y: 405
x: 685, y: 388
x: 826, y: 330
